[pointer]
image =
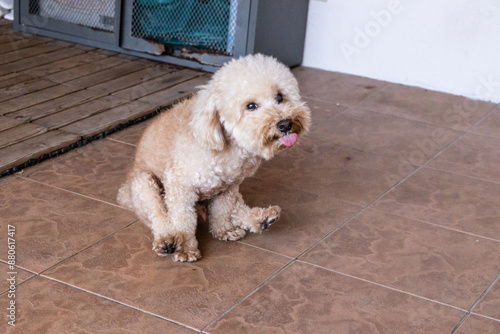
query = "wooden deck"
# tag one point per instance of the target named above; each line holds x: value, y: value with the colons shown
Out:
x: 55, y: 96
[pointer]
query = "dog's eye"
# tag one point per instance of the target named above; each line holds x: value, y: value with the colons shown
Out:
x: 252, y: 106
x: 279, y: 98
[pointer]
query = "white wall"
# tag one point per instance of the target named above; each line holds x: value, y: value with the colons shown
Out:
x: 451, y: 46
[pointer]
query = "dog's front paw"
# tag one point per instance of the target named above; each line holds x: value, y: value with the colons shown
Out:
x: 187, y: 256
x: 163, y: 248
x: 265, y: 218
x: 266, y: 223
x: 166, y: 245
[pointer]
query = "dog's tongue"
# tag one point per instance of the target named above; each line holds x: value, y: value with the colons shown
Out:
x: 289, y: 140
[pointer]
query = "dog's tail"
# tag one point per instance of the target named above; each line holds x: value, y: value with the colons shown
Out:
x: 124, y: 197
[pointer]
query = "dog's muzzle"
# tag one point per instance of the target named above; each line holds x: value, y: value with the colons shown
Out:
x: 284, y: 126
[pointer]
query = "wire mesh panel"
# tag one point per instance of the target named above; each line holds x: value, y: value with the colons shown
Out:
x: 204, y: 24
x: 97, y: 14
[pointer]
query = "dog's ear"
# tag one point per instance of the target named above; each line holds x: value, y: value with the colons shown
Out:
x: 205, y: 122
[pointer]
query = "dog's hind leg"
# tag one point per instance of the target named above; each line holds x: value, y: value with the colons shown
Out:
x: 147, y: 201
x: 183, y: 219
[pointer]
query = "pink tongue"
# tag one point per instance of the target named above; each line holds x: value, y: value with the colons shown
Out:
x: 289, y: 140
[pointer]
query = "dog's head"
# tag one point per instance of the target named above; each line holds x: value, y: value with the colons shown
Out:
x: 252, y: 102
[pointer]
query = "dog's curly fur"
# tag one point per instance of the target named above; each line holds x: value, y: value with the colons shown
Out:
x: 204, y: 147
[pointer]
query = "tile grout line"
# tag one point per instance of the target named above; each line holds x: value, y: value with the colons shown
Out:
x: 18, y: 285
x: 71, y: 192
x: 460, y: 323
x: 266, y: 250
x: 464, y: 175
x: 485, y: 316
x: 120, y: 303
x: 479, y: 299
x: 440, y: 226
x: 119, y: 141
x: 459, y: 137
x: 89, y: 246
x: 267, y: 281
x: 383, y: 286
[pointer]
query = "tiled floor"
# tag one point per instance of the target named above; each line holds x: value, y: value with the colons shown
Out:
x: 391, y: 224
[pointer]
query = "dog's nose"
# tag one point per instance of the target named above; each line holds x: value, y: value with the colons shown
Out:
x: 284, y: 125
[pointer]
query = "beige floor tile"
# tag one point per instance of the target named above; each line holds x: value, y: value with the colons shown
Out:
x: 96, y: 170
x: 306, y: 299
x: 475, y: 324
x: 490, y: 305
x: 490, y: 125
x: 451, y: 111
x: 52, y: 224
x: 8, y: 272
x: 123, y: 267
x: 447, y: 266
x: 333, y: 171
x: 395, y: 137
x: 132, y: 134
x: 344, y: 89
x: 449, y: 200
x: 305, y: 217
x: 45, y: 306
x: 472, y: 155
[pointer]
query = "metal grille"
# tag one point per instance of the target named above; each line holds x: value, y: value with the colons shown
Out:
x: 97, y: 14
x: 204, y: 24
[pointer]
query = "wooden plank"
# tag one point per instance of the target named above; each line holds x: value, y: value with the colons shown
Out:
x: 18, y: 44
x: 41, y: 59
x: 35, y: 147
x: 30, y: 52
x: 6, y: 28
x: 64, y: 64
x: 133, y: 79
x: 12, y: 79
x: 173, y: 94
x: 31, y: 99
x: 156, y: 84
x: 23, y: 88
x: 55, y: 105
x: 5, y: 39
x: 105, y: 75
x: 86, y: 69
x: 109, y: 119
x: 20, y: 133
x: 8, y: 122
x: 79, y: 112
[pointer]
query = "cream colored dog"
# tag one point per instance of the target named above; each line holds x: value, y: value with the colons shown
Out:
x: 204, y: 147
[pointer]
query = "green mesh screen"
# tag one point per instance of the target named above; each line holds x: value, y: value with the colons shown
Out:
x: 205, y: 24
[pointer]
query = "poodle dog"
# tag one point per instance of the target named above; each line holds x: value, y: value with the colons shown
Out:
x: 203, y: 148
